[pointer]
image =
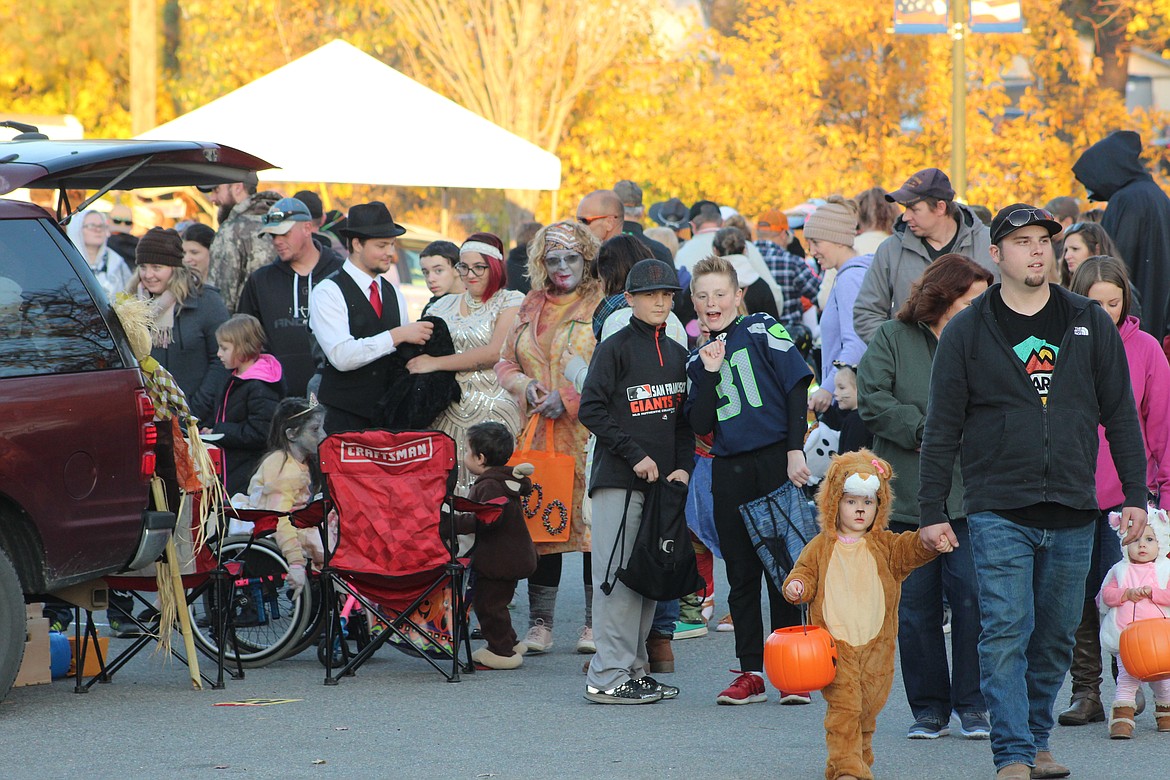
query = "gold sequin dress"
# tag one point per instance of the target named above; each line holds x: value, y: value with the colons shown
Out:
x: 483, y: 399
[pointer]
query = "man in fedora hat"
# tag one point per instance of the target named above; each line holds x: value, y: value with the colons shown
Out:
x: 359, y: 317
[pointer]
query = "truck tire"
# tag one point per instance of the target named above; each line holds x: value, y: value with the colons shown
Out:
x: 12, y: 624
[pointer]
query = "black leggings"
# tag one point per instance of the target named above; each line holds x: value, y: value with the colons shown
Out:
x: 735, y: 480
x: 548, y: 571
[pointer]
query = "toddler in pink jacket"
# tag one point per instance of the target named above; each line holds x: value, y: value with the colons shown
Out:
x: 1136, y: 588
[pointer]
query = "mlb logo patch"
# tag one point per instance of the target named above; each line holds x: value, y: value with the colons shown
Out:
x: 638, y: 393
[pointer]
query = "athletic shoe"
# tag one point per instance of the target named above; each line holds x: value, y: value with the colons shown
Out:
x: 585, y: 643
x: 689, y: 630
x: 928, y: 727
x: 708, y: 609
x: 748, y: 688
x: 650, y: 684
x: 801, y: 697
x: 725, y: 624
x: 629, y: 692
x: 539, y: 638
x: 974, y: 725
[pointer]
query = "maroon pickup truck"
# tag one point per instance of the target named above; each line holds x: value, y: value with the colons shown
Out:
x: 76, y: 431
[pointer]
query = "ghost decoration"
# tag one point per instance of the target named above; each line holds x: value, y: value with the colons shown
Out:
x: 820, y: 446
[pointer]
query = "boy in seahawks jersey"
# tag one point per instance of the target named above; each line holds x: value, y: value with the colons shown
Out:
x: 749, y: 386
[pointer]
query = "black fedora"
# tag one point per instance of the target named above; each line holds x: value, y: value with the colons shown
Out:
x: 371, y: 220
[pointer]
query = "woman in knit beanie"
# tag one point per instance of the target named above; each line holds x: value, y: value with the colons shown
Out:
x: 830, y: 232
x: 185, y: 315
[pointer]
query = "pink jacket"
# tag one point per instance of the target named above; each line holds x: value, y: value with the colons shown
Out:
x: 1149, y: 374
x: 1117, y: 613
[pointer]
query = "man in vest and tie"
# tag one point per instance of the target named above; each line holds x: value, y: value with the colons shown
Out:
x: 359, y: 319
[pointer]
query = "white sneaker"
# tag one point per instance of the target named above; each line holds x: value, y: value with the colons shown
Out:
x: 539, y: 638
x: 585, y: 643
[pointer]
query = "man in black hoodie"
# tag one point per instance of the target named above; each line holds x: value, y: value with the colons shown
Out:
x: 1020, y: 382
x: 278, y: 294
x: 1137, y: 219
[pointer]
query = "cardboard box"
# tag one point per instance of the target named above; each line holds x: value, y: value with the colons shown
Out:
x: 34, y: 670
x: 92, y: 666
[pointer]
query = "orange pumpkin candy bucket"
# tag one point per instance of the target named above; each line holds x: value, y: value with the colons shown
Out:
x: 801, y: 658
x: 1145, y: 649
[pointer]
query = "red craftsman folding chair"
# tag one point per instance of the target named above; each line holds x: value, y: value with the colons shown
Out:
x: 390, y: 490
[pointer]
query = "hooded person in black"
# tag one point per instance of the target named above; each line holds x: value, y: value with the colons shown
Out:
x: 1137, y: 219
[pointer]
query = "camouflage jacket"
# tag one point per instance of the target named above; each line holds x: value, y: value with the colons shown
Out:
x: 238, y: 249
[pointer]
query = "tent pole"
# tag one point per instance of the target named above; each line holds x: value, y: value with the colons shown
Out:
x: 444, y: 213
x: 552, y: 216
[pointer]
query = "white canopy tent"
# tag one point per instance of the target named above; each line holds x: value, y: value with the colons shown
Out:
x: 387, y: 130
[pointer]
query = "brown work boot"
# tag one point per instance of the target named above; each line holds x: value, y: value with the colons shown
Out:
x: 1162, y: 716
x: 1014, y: 772
x: 1085, y: 708
x: 660, y: 652
x: 1121, y: 720
x: 1046, y: 766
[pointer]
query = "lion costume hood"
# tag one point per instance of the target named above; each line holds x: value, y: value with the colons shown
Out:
x: 863, y: 473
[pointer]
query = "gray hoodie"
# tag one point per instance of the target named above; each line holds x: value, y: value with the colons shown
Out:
x: 898, y: 263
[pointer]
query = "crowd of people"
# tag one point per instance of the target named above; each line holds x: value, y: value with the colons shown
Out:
x: 1008, y: 373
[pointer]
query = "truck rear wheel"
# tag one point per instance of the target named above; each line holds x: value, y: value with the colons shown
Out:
x: 12, y: 624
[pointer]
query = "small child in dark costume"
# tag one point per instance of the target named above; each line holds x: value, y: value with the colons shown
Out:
x: 504, y: 552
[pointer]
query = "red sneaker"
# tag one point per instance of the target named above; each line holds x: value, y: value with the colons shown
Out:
x: 795, y: 697
x: 748, y: 688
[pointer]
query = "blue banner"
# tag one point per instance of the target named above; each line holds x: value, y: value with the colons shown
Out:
x: 996, y: 16
x: 920, y: 17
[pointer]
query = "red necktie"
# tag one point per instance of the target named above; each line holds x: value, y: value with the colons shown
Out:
x: 376, y: 298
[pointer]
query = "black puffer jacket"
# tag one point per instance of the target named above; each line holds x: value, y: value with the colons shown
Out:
x: 243, y: 415
x: 191, y: 355
x: 1137, y: 219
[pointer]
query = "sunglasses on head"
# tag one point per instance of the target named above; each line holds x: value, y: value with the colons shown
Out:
x: 273, y: 217
x: 1021, y: 217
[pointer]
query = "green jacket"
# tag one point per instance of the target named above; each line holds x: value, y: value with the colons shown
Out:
x: 893, y: 384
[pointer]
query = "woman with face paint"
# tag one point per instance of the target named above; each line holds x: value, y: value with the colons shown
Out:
x: 555, y: 318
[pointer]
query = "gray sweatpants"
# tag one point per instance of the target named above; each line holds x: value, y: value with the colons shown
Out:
x: 621, y: 620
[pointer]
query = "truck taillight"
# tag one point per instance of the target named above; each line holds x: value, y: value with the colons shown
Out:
x: 147, y: 434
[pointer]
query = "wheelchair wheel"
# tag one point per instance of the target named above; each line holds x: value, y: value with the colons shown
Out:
x: 315, y: 625
x: 266, y: 619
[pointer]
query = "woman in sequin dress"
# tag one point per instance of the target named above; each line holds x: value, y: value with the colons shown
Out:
x: 478, y: 320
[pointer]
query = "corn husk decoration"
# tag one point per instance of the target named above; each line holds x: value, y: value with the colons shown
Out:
x: 194, y: 468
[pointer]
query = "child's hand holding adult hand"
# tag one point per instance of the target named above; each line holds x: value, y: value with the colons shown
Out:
x: 712, y: 355
x: 794, y: 590
x: 938, y: 538
x: 647, y: 469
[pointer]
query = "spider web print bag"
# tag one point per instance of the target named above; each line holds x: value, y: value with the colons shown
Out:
x: 548, y: 509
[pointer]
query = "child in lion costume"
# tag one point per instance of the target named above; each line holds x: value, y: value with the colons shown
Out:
x: 851, y: 573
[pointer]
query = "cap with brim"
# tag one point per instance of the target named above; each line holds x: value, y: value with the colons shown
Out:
x: 927, y: 183
x: 283, y: 214
x: 249, y: 178
x: 772, y: 220
x: 1011, y: 218
x: 371, y: 220
x: 671, y: 213
x: 651, y: 274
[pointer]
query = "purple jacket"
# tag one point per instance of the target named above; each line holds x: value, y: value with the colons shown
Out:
x: 1149, y: 373
x: 839, y: 341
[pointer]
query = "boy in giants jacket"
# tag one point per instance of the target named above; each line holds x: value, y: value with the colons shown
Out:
x: 504, y: 553
x: 1020, y: 382
x: 632, y: 401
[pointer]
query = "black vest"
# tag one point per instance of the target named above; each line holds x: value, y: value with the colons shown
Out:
x: 359, y: 391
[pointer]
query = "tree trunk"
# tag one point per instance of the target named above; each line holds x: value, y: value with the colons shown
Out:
x: 1113, y: 47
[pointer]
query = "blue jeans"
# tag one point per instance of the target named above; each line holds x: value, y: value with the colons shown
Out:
x: 933, y: 690
x: 1031, y: 591
x: 665, y: 615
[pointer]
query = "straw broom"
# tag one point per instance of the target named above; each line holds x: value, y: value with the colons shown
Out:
x: 173, y: 600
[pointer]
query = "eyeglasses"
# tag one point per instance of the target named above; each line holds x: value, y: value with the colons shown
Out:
x: 463, y: 269
x: 272, y: 217
x: 590, y: 220
x: 118, y: 221
x: 1021, y: 217
x: 94, y: 226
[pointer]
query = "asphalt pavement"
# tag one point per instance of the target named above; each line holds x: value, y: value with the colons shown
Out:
x: 399, y: 719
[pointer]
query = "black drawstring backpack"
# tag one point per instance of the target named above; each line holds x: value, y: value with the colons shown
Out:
x: 661, y: 565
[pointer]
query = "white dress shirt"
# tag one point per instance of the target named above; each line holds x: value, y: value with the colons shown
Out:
x: 329, y: 321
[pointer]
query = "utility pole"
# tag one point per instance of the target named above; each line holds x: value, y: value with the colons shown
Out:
x: 143, y: 65
x: 959, y: 32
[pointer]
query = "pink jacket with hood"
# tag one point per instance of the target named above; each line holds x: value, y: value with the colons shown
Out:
x: 1149, y: 375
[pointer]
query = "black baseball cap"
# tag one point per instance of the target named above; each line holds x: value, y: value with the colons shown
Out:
x: 1019, y: 215
x: 651, y: 274
x: 927, y: 183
